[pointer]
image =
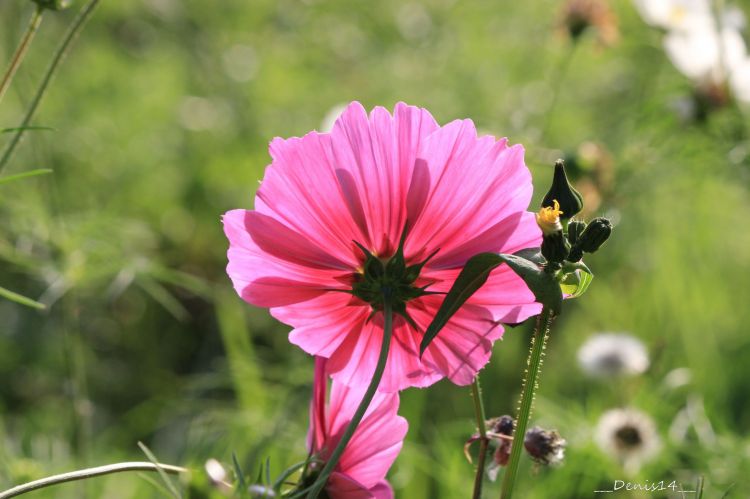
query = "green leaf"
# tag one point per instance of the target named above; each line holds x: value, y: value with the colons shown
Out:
x: 577, y: 279
x: 25, y: 128
x: 240, y: 475
x: 20, y: 299
x: 164, y: 478
x: 475, y: 274
x: 544, y: 286
x: 279, y: 482
x: 19, y: 176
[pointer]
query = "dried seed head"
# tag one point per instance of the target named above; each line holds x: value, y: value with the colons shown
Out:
x: 545, y: 447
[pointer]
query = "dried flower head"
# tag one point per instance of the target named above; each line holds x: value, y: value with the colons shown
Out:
x: 613, y: 354
x: 629, y: 436
x: 499, y: 428
x: 545, y: 447
x: 579, y: 15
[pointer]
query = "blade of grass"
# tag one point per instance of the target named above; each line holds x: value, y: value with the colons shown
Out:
x: 242, y: 485
x: 173, y: 491
x: 57, y: 58
x: 20, y: 299
x: 19, y: 176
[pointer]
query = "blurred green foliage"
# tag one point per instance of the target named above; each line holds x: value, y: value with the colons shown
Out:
x: 162, y: 114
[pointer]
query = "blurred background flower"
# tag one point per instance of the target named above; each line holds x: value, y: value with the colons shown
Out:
x: 629, y: 436
x: 613, y: 354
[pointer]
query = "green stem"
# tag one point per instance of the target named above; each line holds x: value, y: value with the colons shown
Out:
x: 530, y: 384
x: 317, y: 487
x: 90, y: 473
x: 476, y: 394
x: 18, y: 56
x: 62, y: 49
x: 560, y: 73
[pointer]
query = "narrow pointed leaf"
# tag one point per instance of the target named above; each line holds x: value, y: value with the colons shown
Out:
x: 475, y: 274
x: 20, y: 299
x: 167, y: 482
x: 240, y: 475
x: 279, y: 482
x: 26, y: 128
x: 19, y: 176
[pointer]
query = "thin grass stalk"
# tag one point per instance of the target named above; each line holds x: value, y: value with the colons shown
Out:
x: 59, y: 56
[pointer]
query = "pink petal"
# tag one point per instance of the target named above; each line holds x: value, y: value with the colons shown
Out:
x: 342, y: 486
x: 301, y: 189
x: 378, y: 439
x: 376, y: 156
x: 323, y: 322
x: 317, y: 434
x: 476, y: 183
x: 382, y: 490
x: 264, y: 279
x: 464, y: 345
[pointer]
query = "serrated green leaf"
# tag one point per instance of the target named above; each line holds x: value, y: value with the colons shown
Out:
x: 475, y: 274
x: 20, y: 299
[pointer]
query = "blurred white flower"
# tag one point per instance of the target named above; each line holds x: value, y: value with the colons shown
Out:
x: 613, y: 354
x: 675, y: 14
x: 739, y: 81
x: 703, y: 55
x: 629, y: 436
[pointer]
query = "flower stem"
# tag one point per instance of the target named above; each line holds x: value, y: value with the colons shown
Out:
x: 62, y: 49
x: 15, y: 62
x: 476, y: 394
x: 530, y: 384
x: 317, y: 487
x: 90, y: 473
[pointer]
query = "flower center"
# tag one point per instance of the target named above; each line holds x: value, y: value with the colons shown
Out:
x: 628, y: 437
x: 389, y: 279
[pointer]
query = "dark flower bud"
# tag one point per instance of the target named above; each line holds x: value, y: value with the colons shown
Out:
x: 52, y: 4
x: 561, y: 191
x: 595, y: 234
x: 555, y: 247
x: 575, y: 229
x: 545, y: 447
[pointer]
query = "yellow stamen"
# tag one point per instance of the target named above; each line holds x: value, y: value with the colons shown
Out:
x: 548, y: 218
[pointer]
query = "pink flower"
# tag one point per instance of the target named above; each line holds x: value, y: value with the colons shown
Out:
x: 360, y: 473
x: 370, y: 180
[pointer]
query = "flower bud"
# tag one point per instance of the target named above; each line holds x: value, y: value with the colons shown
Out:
x: 569, y: 199
x: 545, y: 447
x: 555, y: 248
x: 52, y: 4
x: 595, y: 234
x: 575, y: 229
